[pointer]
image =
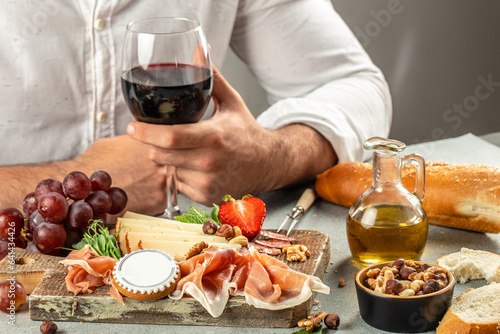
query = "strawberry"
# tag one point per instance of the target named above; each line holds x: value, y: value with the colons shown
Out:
x: 247, y: 213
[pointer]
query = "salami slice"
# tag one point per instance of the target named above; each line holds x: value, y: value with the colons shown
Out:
x: 273, y: 243
x: 264, y: 249
x: 273, y: 235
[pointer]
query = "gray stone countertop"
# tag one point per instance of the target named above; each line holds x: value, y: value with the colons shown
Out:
x: 328, y: 218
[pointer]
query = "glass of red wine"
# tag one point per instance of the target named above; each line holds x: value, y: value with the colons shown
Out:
x: 167, y: 78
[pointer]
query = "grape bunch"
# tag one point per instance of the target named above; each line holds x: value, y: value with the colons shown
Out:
x: 58, y: 213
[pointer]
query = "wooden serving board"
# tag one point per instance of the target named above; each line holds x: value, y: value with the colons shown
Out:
x: 50, y: 300
x: 27, y: 267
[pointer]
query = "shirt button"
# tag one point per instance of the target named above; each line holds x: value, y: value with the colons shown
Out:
x: 102, y: 116
x: 99, y: 24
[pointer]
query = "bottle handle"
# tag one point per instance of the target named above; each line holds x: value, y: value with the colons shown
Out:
x: 418, y: 161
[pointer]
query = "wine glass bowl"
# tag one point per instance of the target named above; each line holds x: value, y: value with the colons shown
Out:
x: 167, y: 77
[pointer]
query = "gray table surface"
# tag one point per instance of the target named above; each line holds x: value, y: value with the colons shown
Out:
x: 329, y: 218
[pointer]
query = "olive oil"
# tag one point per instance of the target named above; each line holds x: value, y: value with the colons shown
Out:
x: 385, y: 232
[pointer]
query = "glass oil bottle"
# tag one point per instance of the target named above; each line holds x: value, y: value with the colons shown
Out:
x: 387, y: 222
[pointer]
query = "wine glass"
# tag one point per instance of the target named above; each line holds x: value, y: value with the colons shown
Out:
x: 167, y: 78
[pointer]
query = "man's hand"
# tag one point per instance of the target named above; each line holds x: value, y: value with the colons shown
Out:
x: 230, y: 153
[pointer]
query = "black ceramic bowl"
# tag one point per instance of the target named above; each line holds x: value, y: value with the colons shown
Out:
x: 402, y: 314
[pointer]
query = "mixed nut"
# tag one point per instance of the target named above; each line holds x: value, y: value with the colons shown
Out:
x: 406, y: 278
x: 314, y: 321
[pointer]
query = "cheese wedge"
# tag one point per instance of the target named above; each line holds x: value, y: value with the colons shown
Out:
x: 165, y: 223
x: 172, y: 237
x: 177, y: 249
x: 150, y: 228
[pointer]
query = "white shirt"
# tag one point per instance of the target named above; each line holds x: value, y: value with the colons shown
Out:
x: 60, y: 89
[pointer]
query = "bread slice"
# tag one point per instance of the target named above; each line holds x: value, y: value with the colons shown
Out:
x: 469, y: 264
x: 474, y: 311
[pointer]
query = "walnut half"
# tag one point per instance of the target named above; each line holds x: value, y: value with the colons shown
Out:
x: 196, y: 249
x: 296, y: 253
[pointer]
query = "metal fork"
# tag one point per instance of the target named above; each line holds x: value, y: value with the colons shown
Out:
x: 304, y: 203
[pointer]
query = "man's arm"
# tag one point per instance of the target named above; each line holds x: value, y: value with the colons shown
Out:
x: 126, y: 160
x: 314, y: 71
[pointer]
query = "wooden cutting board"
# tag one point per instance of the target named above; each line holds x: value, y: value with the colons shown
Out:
x: 50, y: 300
x: 27, y: 267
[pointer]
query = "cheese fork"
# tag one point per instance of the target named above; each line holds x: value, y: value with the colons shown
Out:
x: 305, y: 201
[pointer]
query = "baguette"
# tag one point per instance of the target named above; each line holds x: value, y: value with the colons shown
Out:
x: 474, y: 311
x: 465, y: 196
x: 469, y: 264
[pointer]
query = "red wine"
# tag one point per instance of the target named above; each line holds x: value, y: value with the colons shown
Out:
x: 167, y: 93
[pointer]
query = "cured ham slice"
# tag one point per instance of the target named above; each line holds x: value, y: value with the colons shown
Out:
x: 86, y: 271
x: 289, y: 287
x: 264, y: 281
x: 206, y: 278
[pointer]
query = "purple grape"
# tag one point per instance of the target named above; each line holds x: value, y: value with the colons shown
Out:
x: 48, y: 238
x: 35, y: 220
x: 11, y: 223
x: 76, y: 185
x: 79, y: 214
x: 30, y: 204
x: 47, y: 186
x: 100, y: 180
x: 53, y: 207
x: 4, y: 248
x: 99, y: 201
x: 32, y: 248
x: 119, y: 200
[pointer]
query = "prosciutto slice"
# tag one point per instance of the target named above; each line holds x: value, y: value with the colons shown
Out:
x: 264, y: 281
x: 206, y: 278
x: 86, y: 271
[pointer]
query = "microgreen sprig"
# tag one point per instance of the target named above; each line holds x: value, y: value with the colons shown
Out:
x: 99, y: 240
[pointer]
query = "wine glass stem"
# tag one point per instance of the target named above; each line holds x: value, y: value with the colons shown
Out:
x: 172, y: 209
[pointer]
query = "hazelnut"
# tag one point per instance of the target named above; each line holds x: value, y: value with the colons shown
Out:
x: 405, y: 272
x: 210, y: 227
x: 226, y: 231
x: 332, y: 321
x: 399, y: 263
x: 430, y: 286
x: 425, y: 266
x: 393, y: 286
x: 407, y: 293
x: 420, y: 293
x: 341, y: 282
x: 48, y: 327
